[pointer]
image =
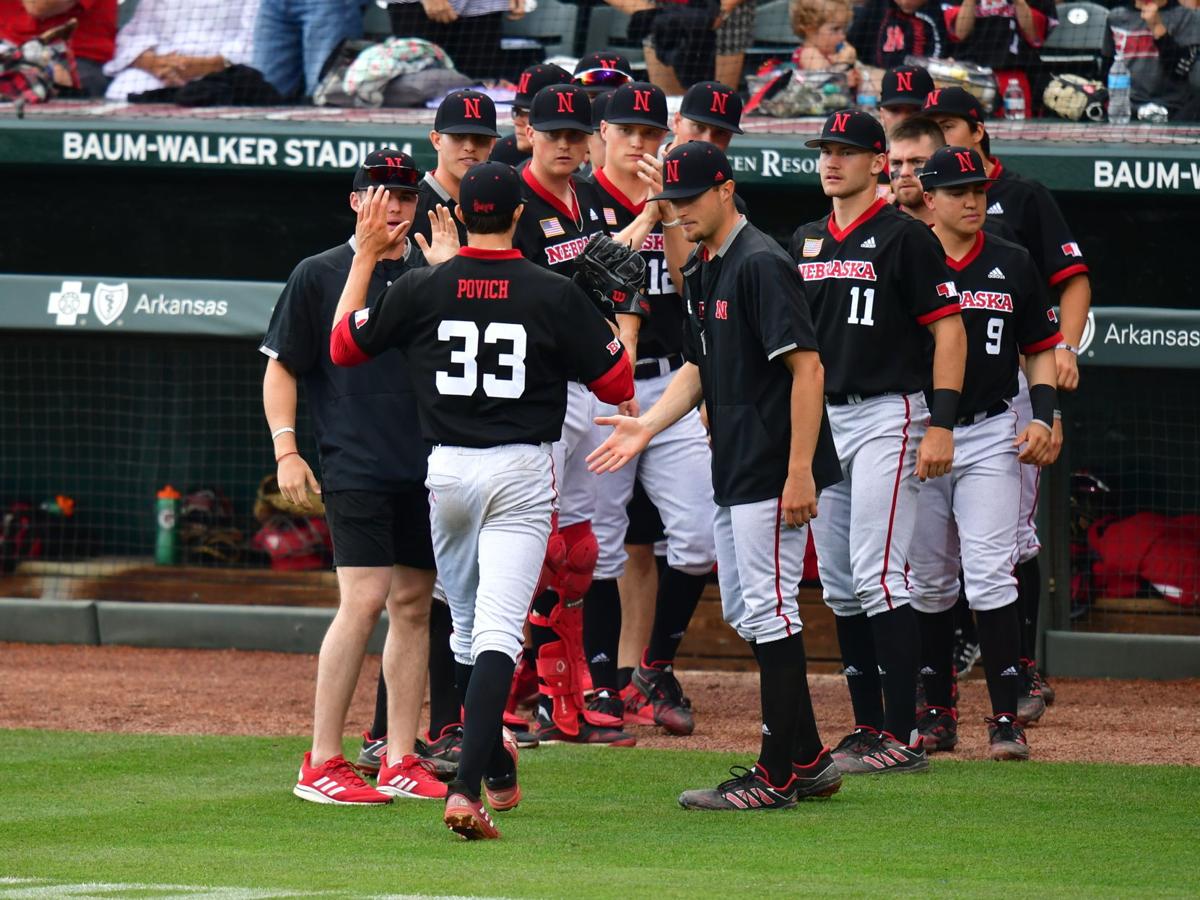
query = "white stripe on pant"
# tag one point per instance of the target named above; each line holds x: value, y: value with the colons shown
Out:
x: 760, y: 562
x: 490, y: 512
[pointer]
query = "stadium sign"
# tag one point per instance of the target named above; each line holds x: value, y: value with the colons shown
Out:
x: 1140, y: 337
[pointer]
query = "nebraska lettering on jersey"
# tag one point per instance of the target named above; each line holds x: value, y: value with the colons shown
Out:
x: 483, y: 289
x: 838, y: 268
x: 986, y: 300
x: 552, y: 233
x: 565, y: 251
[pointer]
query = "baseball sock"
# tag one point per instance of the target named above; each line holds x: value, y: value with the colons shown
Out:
x: 540, y: 635
x: 678, y: 594
x: 999, y: 634
x: 937, y: 656
x: 897, y: 648
x: 861, y: 669
x: 783, y: 692
x: 379, y: 726
x: 486, y: 693
x: 444, y: 703
x: 1029, y: 595
x: 602, y: 631
x: 964, y: 620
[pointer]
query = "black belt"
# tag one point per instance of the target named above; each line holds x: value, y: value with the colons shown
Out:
x: 653, y: 368
x: 846, y: 399
x: 1000, y: 406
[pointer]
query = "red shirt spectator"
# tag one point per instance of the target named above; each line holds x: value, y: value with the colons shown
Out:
x: 92, y: 42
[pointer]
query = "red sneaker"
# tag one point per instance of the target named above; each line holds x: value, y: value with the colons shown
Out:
x: 335, y: 781
x: 504, y: 793
x: 411, y: 777
x: 468, y: 818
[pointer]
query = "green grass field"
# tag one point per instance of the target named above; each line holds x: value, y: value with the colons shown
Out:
x: 133, y: 810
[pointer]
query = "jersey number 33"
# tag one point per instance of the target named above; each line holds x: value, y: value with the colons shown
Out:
x: 466, y: 334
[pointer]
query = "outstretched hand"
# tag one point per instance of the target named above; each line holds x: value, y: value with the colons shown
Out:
x: 629, y: 438
x: 372, y: 236
x: 443, y: 233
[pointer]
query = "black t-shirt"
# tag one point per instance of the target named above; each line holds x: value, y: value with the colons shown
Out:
x: 995, y: 39
x: 883, y: 34
x: 872, y: 290
x: 429, y: 195
x: 364, y: 418
x: 662, y: 333
x: 491, y: 340
x: 506, y: 151
x: 550, y: 234
x: 1005, y: 310
x: 745, y: 310
x: 1028, y: 208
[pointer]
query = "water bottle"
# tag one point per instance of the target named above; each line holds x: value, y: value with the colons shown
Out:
x: 168, y: 517
x: 1014, y: 100
x: 868, y: 101
x: 1118, y: 92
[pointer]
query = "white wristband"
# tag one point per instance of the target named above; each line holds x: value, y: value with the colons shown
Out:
x: 1066, y: 346
x: 284, y: 430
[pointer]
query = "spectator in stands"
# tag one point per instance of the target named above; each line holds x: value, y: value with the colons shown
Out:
x: 1004, y: 35
x: 1159, y: 40
x: 171, y: 42
x: 293, y: 39
x: 885, y: 31
x: 682, y: 55
x: 821, y: 24
x: 92, y: 42
x: 468, y: 30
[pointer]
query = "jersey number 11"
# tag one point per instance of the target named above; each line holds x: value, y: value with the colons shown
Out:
x: 868, y: 298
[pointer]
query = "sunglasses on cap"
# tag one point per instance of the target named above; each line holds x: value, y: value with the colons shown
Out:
x: 608, y: 78
x: 393, y: 176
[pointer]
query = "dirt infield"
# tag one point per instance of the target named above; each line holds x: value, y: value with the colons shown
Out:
x: 230, y: 692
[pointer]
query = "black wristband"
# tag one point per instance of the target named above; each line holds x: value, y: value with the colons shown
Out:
x: 943, y: 408
x: 1043, y: 398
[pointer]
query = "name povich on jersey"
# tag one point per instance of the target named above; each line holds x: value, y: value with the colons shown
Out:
x: 861, y: 270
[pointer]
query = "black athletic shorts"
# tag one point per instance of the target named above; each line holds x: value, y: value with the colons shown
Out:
x: 645, y: 524
x: 374, y: 529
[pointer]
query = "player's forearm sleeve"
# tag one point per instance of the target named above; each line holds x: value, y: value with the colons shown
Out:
x: 343, y: 349
x: 615, y: 385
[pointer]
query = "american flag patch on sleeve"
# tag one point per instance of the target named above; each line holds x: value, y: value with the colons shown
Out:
x: 551, y: 227
x: 610, y: 216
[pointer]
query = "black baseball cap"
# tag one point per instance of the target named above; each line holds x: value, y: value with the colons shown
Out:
x: 600, y: 107
x: 490, y: 187
x: 905, y: 86
x: 953, y: 166
x: 954, y: 101
x: 534, y: 79
x: 715, y: 104
x: 691, y: 169
x: 603, y: 69
x: 637, y: 103
x: 388, y: 168
x: 853, y: 128
x: 559, y: 106
x: 466, y: 112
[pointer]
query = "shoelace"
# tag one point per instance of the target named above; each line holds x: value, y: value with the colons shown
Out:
x: 738, y: 781
x: 857, y: 740
x: 346, y: 771
x: 667, y: 686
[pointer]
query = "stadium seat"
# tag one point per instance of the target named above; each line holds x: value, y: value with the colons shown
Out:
x: 125, y: 10
x: 1076, y: 45
x: 551, y: 26
x: 773, y: 37
x: 376, y: 24
x: 607, y: 29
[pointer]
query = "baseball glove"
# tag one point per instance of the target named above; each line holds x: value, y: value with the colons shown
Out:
x: 613, y: 275
x: 1075, y: 98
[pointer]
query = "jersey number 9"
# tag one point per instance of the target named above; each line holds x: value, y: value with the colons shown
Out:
x: 493, y: 385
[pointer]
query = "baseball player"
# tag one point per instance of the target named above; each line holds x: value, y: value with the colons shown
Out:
x: 561, y: 216
x: 910, y: 144
x: 515, y: 148
x: 972, y: 513
x: 878, y: 286
x: 752, y: 358
x: 1030, y: 211
x: 490, y: 340
x: 902, y: 93
x: 673, y: 469
x: 464, y: 133
x: 377, y: 517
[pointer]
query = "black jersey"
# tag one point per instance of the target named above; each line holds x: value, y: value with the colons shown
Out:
x: 429, y: 194
x: 872, y: 289
x: 506, y: 151
x: 364, y: 419
x: 1005, y: 309
x: 662, y: 333
x: 1028, y: 208
x: 551, y: 234
x: 745, y: 309
x: 491, y: 340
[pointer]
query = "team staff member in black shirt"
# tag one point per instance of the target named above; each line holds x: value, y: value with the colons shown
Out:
x: 878, y: 286
x: 490, y: 340
x: 464, y: 133
x: 752, y: 358
x: 373, y: 466
x: 972, y: 513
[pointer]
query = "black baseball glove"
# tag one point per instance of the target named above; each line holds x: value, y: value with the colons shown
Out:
x: 613, y: 275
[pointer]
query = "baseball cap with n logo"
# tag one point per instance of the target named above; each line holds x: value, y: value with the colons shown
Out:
x: 637, y: 103
x: 853, y: 128
x: 691, y: 169
x: 561, y: 106
x: 466, y: 112
x: 713, y: 103
x: 951, y: 167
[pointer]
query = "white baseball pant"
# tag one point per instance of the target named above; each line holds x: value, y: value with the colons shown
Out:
x: 970, y: 513
x: 865, y: 521
x: 1028, y: 545
x: 490, y: 511
x: 676, y: 472
x: 576, y: 486
x: 760, y: 562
